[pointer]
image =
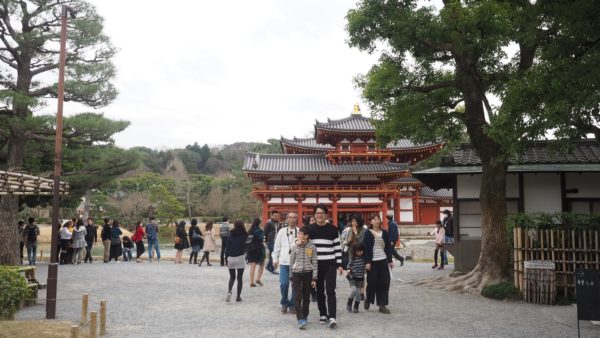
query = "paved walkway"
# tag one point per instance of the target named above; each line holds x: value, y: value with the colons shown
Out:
x: 169, y: 300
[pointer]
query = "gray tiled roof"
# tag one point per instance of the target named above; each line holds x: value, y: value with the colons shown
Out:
x: 584, y: 151
x: 309, y: 143
x: 313, y: 164
x: 440, y: 193
x: 350, y: 123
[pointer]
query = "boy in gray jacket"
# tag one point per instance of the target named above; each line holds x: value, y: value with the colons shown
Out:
x: 303, y: 262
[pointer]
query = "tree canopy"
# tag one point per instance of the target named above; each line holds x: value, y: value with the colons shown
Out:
x: 506, y: 72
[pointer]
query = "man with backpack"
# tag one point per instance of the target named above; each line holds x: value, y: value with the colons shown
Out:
x: 105, y: 236
x: 21, y: 225
x: 152, y: 235
x: 224, y: 234
x: 30, y: 235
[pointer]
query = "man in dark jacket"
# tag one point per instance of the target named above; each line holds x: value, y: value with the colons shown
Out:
x: 448, y: 224
x: 270, y: 234
x: 393, y: 234
x: 91, y: 237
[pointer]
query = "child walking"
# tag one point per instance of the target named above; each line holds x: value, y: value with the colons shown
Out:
x: 127, y: 248
x: 440, y: 234
x: 303, y: 260
x: 356, y: 276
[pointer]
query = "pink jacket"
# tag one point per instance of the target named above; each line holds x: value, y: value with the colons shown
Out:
x: 440, y: 235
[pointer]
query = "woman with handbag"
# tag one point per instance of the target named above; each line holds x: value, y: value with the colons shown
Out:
x: 234, y: 256
x: 378, y: 259
x: 209, y: 243
x: 181, y: 241
x: 116, y: 249
x: 256, y: 252
x: 195, y: 240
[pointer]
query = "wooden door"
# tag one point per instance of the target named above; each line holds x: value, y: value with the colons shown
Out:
x: 429, y: 213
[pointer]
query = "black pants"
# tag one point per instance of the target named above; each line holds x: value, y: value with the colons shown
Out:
x: 301, y: 284
x: 326, y: 286
x: 232, y: 277
x: 139, y: 249
x: 205, y: 256
x: 194, y: 255
x: 64, y: 247
x: 396, y: 255
x: 88, y: 251
x: 435, y: 255
x: 223, y: 249
x: 21, y: 245
x: 378, y: 283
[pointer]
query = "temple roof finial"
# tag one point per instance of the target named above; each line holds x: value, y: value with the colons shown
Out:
x: 356, y: 110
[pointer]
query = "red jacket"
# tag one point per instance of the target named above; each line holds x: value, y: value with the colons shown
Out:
x: 139, y: 234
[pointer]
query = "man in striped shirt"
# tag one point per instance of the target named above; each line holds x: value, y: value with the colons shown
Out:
x: 329, y: 256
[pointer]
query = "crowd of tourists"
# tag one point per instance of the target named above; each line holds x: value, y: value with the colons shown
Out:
x: 308, y: 255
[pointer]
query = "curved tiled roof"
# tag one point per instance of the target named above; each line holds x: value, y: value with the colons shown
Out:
x: 584, y: 151
x: 436, y: 194
x: 351, y: 123
x: 313, y: 164
x: 307, y: 143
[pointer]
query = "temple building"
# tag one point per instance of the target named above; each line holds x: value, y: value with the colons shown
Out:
x: 343, y: 167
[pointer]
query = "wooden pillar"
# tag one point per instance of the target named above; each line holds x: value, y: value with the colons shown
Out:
x: 397, y: 208
x: 416, y: 209
x: 384, y: 211
x: 300, y: 198
x: 334, y: 210
x: 265, y: 209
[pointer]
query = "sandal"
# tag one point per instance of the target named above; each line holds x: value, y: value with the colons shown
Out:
x: 259, y: 283
x: 252, y: 285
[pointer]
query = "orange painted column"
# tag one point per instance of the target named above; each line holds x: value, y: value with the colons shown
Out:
x: 265, y: 209
x: 384, y: 211
x: 397, y: 208
x: 334, y: 211
x: 417, y: 213
x: 299, y: 208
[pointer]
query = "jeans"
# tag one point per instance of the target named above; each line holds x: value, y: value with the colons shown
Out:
x: 31, y: 251
x: 301, y: 283
x: 270, y: 245
x: 127, y: 256
x: 223, y: 249
x: 448, y: 239
x: 88, y: 252
x: 326, y: 276
x: 284, y: 286
x: 153, y: 243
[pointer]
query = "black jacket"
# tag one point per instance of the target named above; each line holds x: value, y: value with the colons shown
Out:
x: 106, y: 232
x: 235, y: 244
x: 369, y: 241
x: 195, y: 241
x: 91, y: 234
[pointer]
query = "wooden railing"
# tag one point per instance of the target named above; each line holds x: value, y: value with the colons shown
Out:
x: 388, y: 189
x: 568, y: 249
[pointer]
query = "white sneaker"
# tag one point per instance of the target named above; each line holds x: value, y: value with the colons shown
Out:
x: 332, y: 323
x: 228, y: 298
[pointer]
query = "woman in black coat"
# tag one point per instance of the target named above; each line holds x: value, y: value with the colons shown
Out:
x: 378, y: 259
x: 181, y: 241
x: 196, y: 240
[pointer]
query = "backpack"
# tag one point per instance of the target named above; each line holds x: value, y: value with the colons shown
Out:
x: 151, y: 231
x: 31, y: 234
x: 251, y: 244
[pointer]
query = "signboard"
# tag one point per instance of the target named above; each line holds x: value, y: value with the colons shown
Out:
x: 587, y: 287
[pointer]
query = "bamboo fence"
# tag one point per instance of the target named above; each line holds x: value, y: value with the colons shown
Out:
x: 568, y: 249
x: 12, y: 183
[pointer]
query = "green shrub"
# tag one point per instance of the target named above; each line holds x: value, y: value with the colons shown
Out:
x: 13, y: 290
x: 502, y: 290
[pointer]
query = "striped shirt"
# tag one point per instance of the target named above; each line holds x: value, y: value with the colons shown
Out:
x: 327, y: 240
x: 357, y: 267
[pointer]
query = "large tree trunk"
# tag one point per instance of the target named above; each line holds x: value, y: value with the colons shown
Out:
x: 9, y: 206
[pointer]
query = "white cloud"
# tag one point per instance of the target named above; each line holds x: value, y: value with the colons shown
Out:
x: 223, y: 71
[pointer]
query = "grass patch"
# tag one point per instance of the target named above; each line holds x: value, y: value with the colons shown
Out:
x: 38, y: 328
x: 501, y: 291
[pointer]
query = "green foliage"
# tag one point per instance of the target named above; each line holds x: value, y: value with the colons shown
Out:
x: 501, y: 291
x: 169, y: 208
x: 13, y: 290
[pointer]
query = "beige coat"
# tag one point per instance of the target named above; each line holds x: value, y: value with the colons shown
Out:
x: 209, y: 242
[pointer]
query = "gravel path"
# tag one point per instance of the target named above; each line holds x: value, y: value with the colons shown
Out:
x: 169, y: 300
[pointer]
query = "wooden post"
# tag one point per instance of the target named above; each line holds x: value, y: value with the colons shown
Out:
x: 93, y: 316
x: 102, y: 317
x: 74, y: 331
x: 84, y: 308
x: 41, y: 255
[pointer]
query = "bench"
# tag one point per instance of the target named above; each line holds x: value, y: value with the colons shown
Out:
x: 32, y: 283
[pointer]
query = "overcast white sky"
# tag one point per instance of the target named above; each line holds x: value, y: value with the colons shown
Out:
x: 218, y: 72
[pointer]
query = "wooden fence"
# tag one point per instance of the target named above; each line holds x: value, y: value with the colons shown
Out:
x: 568, y: 249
